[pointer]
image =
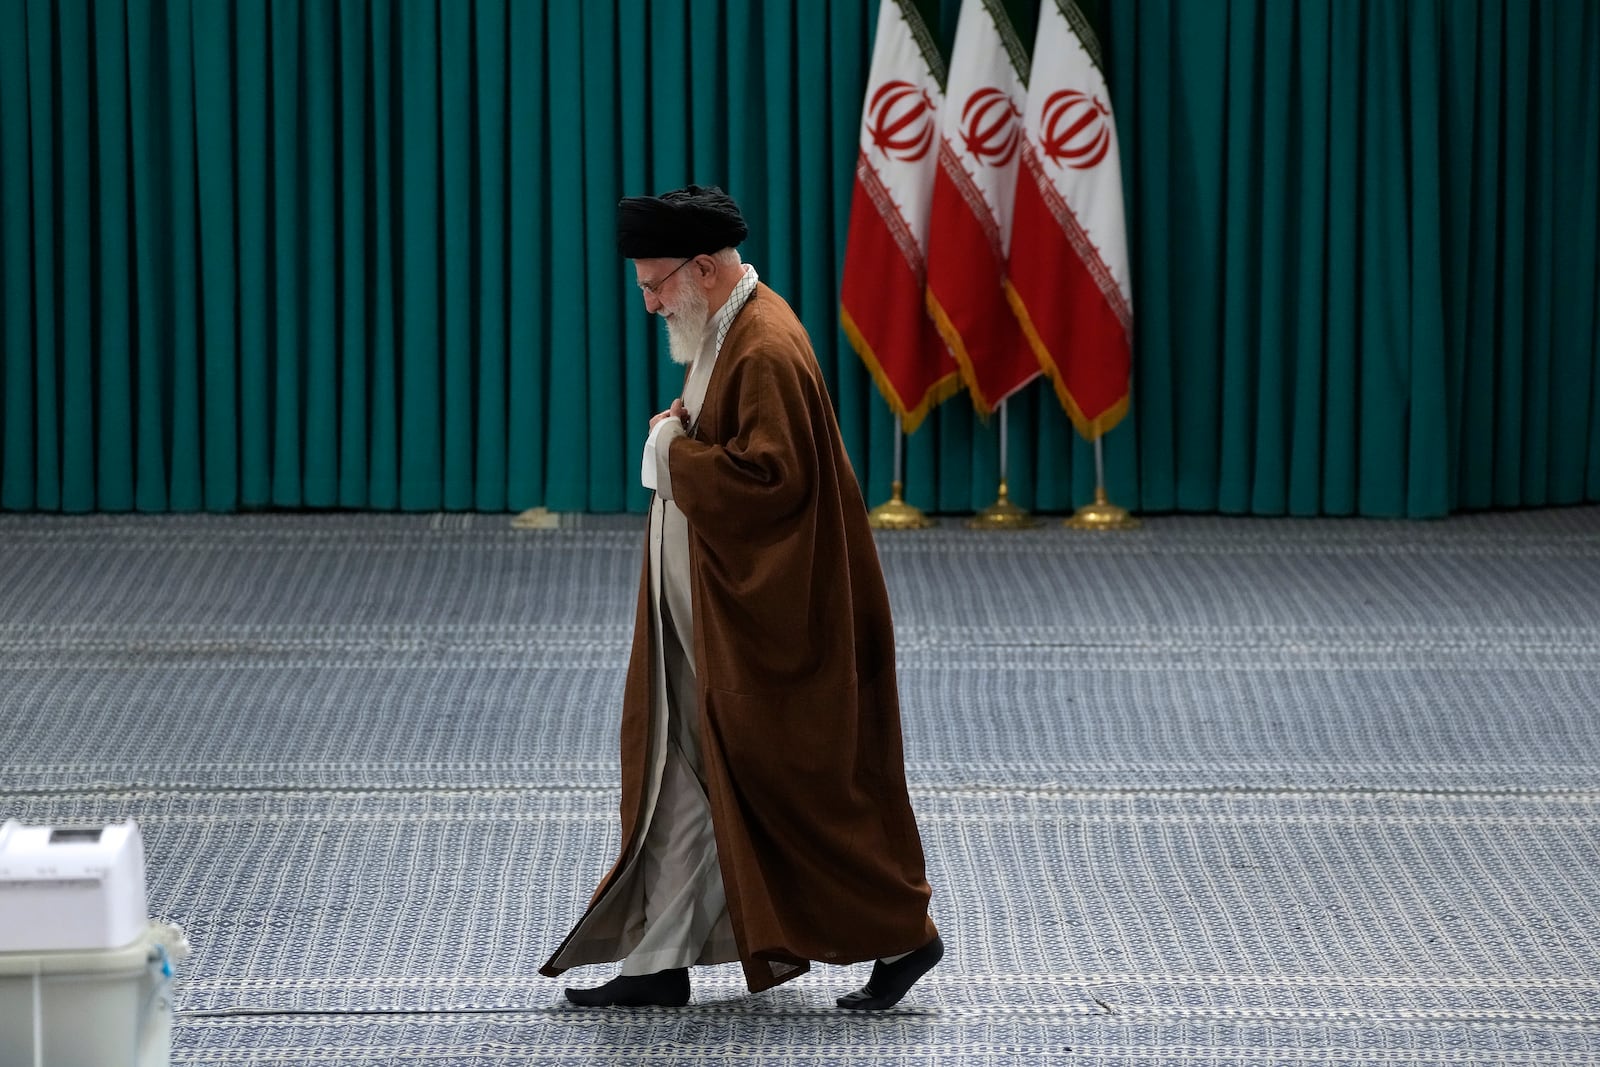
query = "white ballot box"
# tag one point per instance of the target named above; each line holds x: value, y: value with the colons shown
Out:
x: 85, y: 977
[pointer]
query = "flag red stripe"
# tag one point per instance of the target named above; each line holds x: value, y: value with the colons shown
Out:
x: 882, y: 302
x: 967, y: 300
x: 1079, y: 338
x: 1054, y: 207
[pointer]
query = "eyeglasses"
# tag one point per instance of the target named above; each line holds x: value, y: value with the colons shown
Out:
x: 654, y: 288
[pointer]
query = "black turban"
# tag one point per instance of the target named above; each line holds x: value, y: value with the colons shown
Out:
x: 692, y: 221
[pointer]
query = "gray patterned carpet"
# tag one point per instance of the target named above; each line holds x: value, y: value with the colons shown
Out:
x: 1219, y: 791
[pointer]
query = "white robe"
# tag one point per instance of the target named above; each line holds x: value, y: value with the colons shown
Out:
x: 675, y: 909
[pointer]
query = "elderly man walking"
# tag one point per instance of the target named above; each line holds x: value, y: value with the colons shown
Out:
x: 765, y: 818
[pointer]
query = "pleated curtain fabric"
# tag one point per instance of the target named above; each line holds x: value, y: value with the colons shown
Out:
x: 318, y: 254
x: 1364, y: 235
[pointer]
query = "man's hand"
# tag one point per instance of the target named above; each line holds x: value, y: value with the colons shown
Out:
x: 676, y: 411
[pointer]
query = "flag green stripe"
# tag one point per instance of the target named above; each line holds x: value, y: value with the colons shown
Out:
x: 1003, y: 14
x: 1084, y: 31
x: 927, y: 44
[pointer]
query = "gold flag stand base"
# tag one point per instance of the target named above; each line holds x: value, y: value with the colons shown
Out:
x: 1101, y: 515
x: 897, y: 514
x: 1002, y: 515
x: 536, y: 519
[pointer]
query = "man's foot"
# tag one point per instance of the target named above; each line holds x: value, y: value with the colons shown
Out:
x: 891, y: 981
x: 664, y: 989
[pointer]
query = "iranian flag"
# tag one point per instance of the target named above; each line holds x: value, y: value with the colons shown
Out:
x: 885, y: 264
x: 969, y: 236
x: 1068, y: 276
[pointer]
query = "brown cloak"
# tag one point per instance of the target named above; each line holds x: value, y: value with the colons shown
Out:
x: 794, y: 648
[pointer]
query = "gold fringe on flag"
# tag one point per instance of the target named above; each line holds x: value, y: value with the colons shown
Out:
x: 1090, y: 429
x: 911, y: 417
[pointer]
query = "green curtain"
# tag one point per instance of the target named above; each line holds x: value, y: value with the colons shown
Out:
x: 308, y: 253
x: 1364, y: 240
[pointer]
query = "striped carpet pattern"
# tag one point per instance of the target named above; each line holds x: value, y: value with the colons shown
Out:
x: 1217, y: 791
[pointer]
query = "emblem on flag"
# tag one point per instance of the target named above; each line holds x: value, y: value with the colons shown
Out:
x: 901, y: 118
x: 1075, y: 129
x: 992, y: 127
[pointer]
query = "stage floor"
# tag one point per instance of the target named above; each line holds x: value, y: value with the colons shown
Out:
x: 1216, y: 791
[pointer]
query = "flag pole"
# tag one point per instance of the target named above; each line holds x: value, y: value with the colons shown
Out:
x: 895, y: 513
x: 1102, y: 514
x: 1002, y: 514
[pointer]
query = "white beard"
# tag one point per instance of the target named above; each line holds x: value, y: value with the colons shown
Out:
x: 686, y: 330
